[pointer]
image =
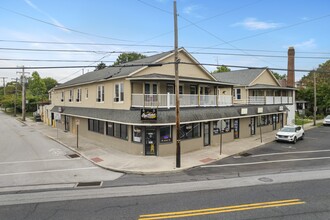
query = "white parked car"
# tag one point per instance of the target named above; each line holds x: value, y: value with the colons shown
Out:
x: 290, y: 133
x: 326, y: 120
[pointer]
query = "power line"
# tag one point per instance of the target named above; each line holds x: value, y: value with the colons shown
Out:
x: 161, y: 64
x: 70, y: 51
x: 65, y: 28
x: 150, y: 45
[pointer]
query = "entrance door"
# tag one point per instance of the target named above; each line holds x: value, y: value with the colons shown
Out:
x: 274, y: 122
x: 253, y: 125
x: 207, y: 138
x: 66, y: 123
x: 150, y: 145
x: 236, y: 128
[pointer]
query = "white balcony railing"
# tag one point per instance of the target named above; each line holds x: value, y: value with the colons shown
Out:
x: 187, y: 100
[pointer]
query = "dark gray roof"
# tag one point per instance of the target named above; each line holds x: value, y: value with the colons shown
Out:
x: 159, y: 76
x: 166, y: 116
x: 265, y: 86
x: 241, y: 77
x: 110, y: 72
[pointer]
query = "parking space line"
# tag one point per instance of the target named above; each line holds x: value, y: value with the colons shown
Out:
x: 294, y: 152
x: 47, y: 171
x: 264, y: 162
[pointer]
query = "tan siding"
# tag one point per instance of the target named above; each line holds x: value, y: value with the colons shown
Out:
x: 265, y: 78
x: 184, y: 70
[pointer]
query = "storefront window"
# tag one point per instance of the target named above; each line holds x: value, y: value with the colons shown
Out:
x: 165, y: 134
x: 137, y: 134
x: 189, y: 131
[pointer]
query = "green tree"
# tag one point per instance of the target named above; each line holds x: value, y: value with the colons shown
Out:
x: 279, y: 76
x: 322, y: 76
x: 221, y: 69
x: 50, y: 83
x: 100, y: 66
x: 37, y: 86
x: 128, y: 57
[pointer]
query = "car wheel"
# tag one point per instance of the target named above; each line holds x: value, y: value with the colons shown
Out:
x: 295, y: 140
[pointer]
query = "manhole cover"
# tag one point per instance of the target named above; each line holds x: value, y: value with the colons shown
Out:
x: 89, y: 184
x: 73, y: 155
x: 265, y: 179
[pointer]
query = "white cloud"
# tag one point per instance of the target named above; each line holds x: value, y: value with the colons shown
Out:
x: 254, y: 24
x: 54, y: 21
x: 190, y: 9
x: 306, y: 44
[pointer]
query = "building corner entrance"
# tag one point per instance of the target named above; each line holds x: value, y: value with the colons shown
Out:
x: 150, y: 145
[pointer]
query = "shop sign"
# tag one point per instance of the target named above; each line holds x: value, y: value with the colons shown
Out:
x: 149, y: 114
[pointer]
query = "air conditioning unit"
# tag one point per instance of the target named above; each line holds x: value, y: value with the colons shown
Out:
x: 260, y: 110
x: 98, y: 99
x: 244, y: 111
x: 62, y: 100
x: 77, y: 100
x: 281, y: 108
x: 70, y: 100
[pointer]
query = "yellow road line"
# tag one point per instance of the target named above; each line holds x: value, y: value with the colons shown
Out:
x: 218, y: 210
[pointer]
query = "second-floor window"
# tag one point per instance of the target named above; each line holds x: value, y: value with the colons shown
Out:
x: 62, y: 96
x: 119, y: 92
x: 237, y: 93
x: 71, y: 95
x: 100, y: 94
x: 86, y: 92
x: 78, y: 98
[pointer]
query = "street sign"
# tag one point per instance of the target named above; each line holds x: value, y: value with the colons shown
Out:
x: 77, y: 121
x: 57, y: 116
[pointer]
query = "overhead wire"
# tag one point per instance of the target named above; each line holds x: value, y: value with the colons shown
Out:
x: 65, y: 28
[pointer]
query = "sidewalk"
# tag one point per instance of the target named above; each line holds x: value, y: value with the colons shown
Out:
x: 115, y: 160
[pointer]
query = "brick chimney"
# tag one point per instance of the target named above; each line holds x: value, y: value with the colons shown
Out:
x: 290, y: 77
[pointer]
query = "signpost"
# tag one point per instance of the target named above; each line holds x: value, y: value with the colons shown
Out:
x: 77, y: 123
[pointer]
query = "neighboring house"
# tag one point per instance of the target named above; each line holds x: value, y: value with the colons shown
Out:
x: 259, y: 86
x: 132, y: 107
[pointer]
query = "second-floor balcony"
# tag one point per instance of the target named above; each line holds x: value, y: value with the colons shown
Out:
x: 186, y: 100
x: 265, y: 100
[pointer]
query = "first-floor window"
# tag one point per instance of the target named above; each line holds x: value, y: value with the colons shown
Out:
x: 262, y: 120
x: 165, y: 134
x: 189, y: 131
x: 96, y: 126
x: 117, y: 130
x: 137, y: 134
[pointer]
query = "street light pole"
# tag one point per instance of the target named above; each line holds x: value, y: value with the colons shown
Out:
x: 177, y: 101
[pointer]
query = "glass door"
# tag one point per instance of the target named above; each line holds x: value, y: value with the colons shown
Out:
x: 150, y: 145
x: 253, y: 125
x: 236, y: 128
x: 207, y: 134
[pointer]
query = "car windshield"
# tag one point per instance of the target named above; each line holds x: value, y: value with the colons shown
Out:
x: 287, y: 129
x: 328, y: 117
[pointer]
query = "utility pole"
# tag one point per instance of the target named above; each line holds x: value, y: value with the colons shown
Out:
x: 15, y: 104
x: 177, y: 101
x: 23, y: 92
x: 315, y: 108
x: 4, y: 85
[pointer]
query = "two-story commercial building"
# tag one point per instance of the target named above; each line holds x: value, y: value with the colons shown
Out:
x: 131, y: 107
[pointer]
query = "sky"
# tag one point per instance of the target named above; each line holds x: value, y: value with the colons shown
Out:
x: 245, y: 33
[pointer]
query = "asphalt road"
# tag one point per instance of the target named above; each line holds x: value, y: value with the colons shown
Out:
x: 29, y: 159
x: 294, y: 201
